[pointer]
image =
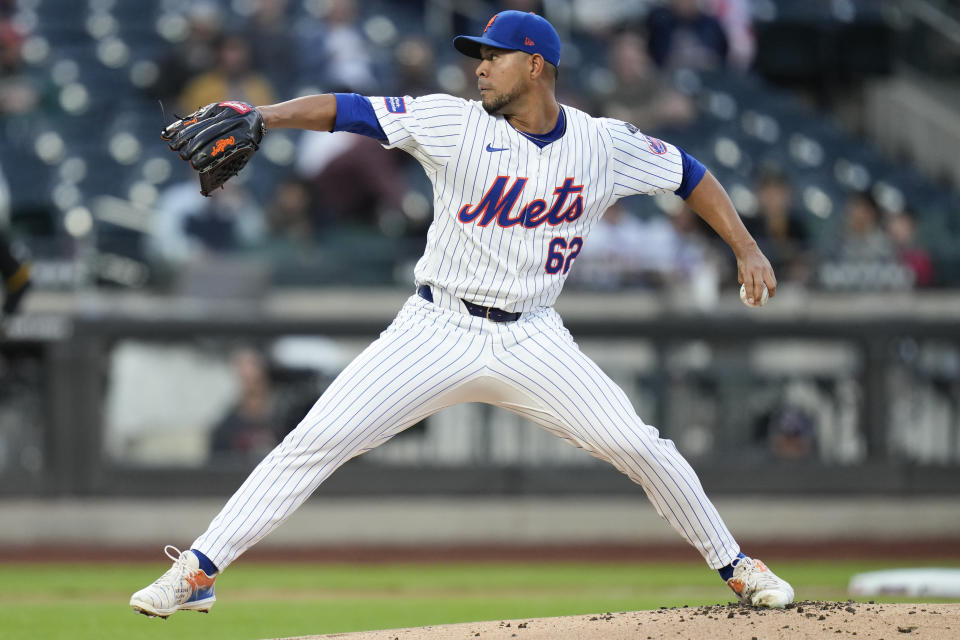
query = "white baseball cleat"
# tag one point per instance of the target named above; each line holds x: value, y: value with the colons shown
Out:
x: 755, y: 584
x: 183, y: 586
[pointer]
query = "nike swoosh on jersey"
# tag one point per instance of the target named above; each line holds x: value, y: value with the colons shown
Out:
x: 491, y: 148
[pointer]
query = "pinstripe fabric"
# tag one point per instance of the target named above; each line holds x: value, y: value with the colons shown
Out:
x: 569, y: 395
x: 509, y: 220
x: 503, y: 265
x: 409, y: 373
x: 432, y: 357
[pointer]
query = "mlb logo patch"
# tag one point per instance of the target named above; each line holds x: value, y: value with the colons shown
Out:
x: 656, y: 146
x: 395, y: 105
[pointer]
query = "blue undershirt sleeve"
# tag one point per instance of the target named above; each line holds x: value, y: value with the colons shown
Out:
x: 356, y: 115
x: 693, y: 172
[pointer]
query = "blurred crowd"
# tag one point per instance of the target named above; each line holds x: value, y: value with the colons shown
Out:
x: 320, y: 208
x: 340, y: 184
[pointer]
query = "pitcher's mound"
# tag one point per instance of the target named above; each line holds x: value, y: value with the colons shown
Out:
x: 801, y: 620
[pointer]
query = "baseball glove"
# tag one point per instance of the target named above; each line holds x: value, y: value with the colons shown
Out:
x: 218, y: 140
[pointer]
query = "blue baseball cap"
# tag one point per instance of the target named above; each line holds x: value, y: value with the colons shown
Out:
x: 515, y: 31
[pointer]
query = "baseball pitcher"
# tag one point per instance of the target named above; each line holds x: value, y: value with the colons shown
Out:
x: 518, y: 183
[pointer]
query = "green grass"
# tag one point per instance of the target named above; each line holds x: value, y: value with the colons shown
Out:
x: 87, y: 601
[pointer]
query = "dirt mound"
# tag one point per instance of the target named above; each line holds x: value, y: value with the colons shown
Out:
x: 807, y: 619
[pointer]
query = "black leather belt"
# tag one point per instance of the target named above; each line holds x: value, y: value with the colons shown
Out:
x: 490, y: 313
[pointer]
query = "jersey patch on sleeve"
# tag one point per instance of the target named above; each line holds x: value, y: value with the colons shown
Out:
x: 656, y: 146
x: 395, y: 105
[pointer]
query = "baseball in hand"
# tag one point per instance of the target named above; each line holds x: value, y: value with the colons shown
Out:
x: 763, y: 296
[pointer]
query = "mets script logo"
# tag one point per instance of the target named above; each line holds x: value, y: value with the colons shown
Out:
x: 222, y: 145
x: 499, y: 202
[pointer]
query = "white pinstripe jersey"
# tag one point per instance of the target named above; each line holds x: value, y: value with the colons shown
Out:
x: 509, y: 217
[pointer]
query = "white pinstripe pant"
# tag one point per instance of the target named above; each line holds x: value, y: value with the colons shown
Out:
x: 433, y: 357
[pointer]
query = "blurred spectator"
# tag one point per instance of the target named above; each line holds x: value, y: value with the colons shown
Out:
x: 700, y: 257
x: 803, y: 412
x: 188, y: 226
x: 613, y: 253
x: 865, y: 239
x: 289, y: 217
x: 682, y: 36
x: 903, y: 232
x: 623, y: 250
x: 344, y: 54
x: 471, y: 17
x: 352, y: 181
x: 614, y: 14
x: 736, y: 18
x: 253, y: 425
x: 642, y: 97
x: 864, y: 257
x: 195, y: 55
x: 231, y: 77
x: 19, y: 93
x: 416, y: 66
x: 778, y: 227
x: 466, y: 78
x: 274, y: 52
x: 787, y: 432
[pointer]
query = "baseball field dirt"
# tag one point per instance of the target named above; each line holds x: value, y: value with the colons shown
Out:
x: 801, y: 620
